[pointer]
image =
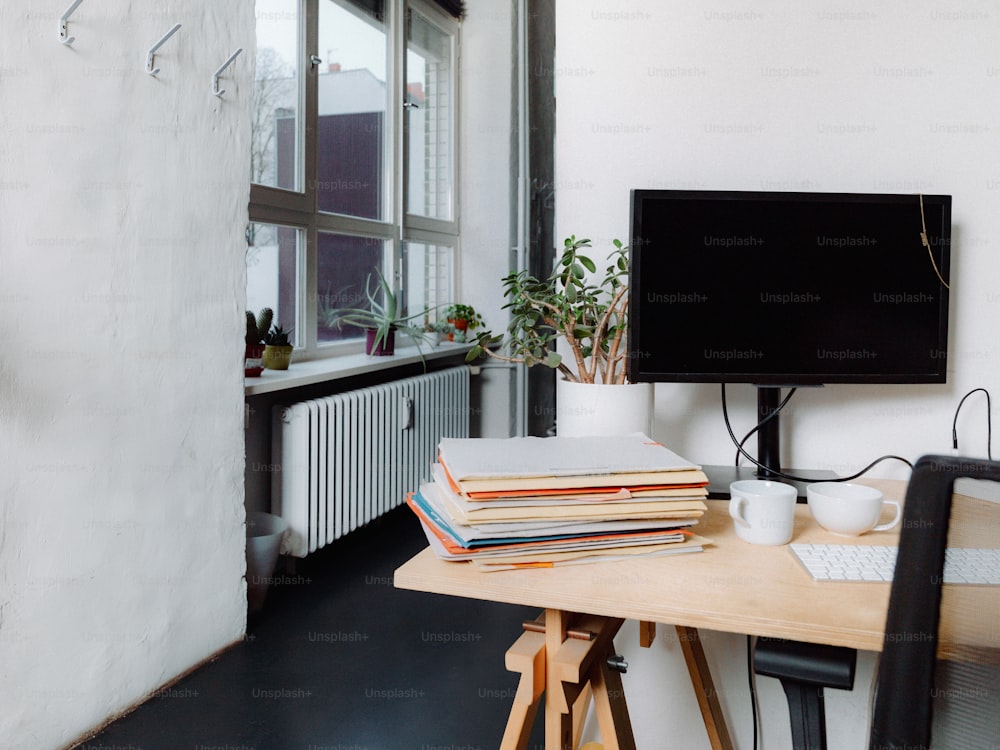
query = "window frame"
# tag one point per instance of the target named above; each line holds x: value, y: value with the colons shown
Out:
x: 299, y: 209
x: 448, y: 26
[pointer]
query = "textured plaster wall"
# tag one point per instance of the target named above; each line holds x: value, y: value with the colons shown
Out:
x: 122, y: 210
x: 892, y: 98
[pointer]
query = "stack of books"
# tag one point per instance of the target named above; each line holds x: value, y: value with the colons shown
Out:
x: 540, y: 502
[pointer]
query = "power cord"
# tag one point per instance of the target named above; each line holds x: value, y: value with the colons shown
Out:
x: 792, y: 477
x: 926, y: 243
x: 763, y: 422
x: 989, y: 423
x: 753, y: 689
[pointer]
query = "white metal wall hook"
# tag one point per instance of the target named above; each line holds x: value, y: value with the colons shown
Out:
x: 152, y: 50
x: 64, y: 36
x: 215, y: 76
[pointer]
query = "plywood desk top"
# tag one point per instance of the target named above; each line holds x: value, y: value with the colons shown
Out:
x: 736, y: 587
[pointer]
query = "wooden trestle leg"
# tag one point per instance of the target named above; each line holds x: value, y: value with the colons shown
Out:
x: 568, y: 657
x: 704, y: 688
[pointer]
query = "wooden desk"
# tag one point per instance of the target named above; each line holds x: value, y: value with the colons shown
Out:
x: 737, y: 587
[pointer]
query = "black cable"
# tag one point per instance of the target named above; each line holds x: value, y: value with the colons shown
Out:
x: 753, y: 689
x: 755, y: 462
x: 989, y: 423
x: 763, y: 422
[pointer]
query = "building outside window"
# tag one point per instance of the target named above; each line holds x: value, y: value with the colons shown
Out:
x: 353, y: 162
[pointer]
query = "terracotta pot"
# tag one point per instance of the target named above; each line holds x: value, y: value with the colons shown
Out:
x: 252, y: 364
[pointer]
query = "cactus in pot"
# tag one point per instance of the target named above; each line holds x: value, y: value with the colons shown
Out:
x: 256, y: 329
x: 278, y: 349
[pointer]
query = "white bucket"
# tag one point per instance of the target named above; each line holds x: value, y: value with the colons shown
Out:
x: 264, y: 534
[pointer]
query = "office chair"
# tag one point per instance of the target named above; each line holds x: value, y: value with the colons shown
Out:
x: 805, y: 671
x: 905, y: 693
x: 904, y: 701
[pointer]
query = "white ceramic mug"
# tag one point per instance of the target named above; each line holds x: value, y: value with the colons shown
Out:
x: 763, y: 511
x: 849, y: 509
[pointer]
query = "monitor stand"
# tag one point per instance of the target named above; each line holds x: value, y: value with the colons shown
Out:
x: 768, y: 453
x: 720, y: 477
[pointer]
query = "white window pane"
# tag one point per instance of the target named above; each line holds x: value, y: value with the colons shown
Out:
x: 345, y: 265
x: 353, y: 101
x: 275, y: 149
x: 429, y: 96
x: 273, y: 272
x: 428, y: 278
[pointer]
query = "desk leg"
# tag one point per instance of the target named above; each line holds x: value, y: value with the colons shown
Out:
x: 610, y: 706
x: 704, y: 689
x: 580, y: 713
x: 570, y: 672
x: 558, y: 725
x: 526, y: 656
x: 519, y: 724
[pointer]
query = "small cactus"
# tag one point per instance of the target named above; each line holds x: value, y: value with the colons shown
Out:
x: 252, y: 336
x: 258, y: 326
x: 264, y: 319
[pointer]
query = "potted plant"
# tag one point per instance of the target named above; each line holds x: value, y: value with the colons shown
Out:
x: 463, y: 317
x: 257, y: 328
x: 277, y: 349
x: 381, y: 319
x: 591, y: 318
x: 439, y: 331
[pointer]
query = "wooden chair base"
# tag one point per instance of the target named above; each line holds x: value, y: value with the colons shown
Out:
x: 570, y: 660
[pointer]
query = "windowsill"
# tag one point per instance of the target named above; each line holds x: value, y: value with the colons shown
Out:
x: 334, y: 368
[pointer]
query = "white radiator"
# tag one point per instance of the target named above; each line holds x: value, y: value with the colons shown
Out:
x: 347, y: 459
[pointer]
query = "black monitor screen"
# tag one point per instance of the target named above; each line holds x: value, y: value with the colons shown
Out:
x: 788, y: 288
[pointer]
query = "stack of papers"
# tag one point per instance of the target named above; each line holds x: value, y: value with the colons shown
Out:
x: 539, y: 502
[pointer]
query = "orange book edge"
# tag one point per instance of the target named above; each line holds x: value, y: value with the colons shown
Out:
x: 510, y: 494
x: 456, y: 549
x: 504, y: 494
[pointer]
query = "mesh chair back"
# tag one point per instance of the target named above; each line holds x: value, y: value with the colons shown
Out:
x: 906, y: 683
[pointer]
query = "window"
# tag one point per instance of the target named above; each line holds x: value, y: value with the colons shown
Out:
x: 354, y: 161
x: 276, y: 97
x: 273, y: 262
x: 429, y: 71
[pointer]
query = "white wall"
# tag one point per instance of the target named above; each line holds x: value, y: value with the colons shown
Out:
x: 122, y: 210
x: 793, y: 96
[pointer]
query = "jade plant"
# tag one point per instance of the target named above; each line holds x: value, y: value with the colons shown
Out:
x: 590, y: 316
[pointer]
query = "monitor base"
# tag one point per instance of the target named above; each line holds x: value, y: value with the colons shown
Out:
x: 720, y: 477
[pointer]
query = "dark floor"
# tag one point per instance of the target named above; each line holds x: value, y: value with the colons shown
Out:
x: 339, y: 659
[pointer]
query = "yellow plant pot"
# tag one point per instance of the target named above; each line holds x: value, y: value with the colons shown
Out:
x: 277, y: 357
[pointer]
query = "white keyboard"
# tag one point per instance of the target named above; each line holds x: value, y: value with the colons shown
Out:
x: 849, y: 562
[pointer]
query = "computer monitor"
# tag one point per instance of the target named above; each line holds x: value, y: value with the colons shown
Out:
x: 783, y: 289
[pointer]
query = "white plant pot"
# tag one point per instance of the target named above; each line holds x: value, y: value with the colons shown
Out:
x: 595, y: 409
